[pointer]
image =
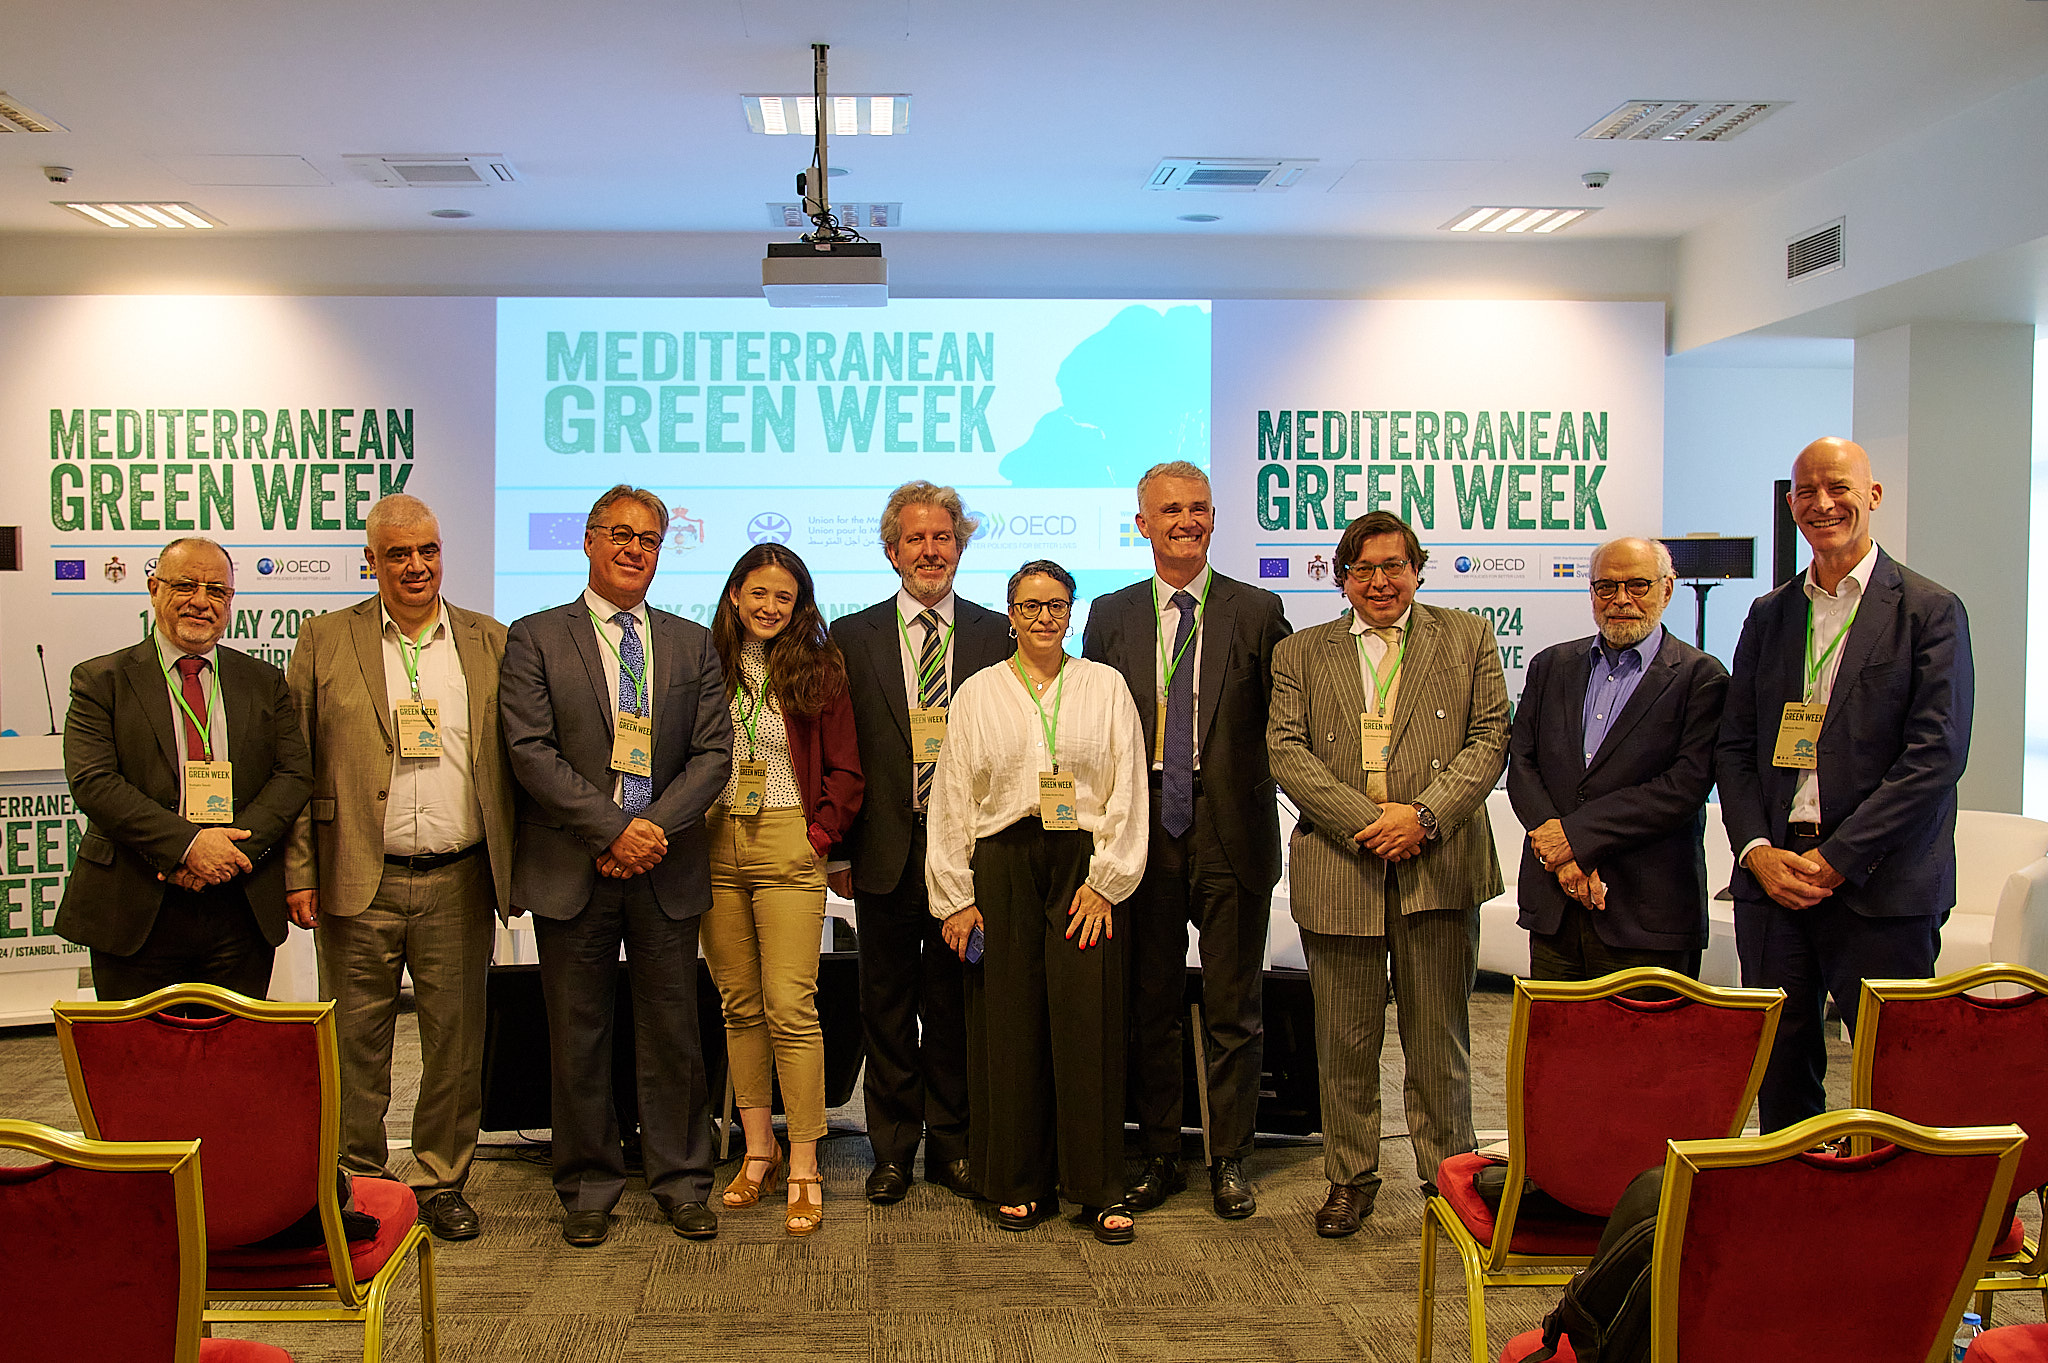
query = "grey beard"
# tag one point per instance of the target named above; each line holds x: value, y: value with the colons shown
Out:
x: 1626, y: 633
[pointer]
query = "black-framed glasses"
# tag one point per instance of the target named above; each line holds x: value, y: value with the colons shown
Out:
x: 623, y: 535
x: 1056, y: 610
x: 185, y: 589
x: 1391, y: 571
x: 1606, y: 588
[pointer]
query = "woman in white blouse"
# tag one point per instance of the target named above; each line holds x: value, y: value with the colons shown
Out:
x: 794, y: 789
x: 1037, y: 830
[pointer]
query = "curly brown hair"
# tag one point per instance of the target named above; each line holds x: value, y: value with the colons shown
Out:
x: 806, y: 671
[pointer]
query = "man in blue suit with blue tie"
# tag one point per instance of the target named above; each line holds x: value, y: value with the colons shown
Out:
x: 1846, y: 730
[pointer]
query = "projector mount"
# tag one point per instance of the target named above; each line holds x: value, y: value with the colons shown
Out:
x: 814, y: 186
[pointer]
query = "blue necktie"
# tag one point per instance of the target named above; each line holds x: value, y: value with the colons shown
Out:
x: 1177, y: 765
x: 635, y: 792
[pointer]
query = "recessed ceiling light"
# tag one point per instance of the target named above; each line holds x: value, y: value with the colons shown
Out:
x: 1515, y: 221
x: 852, y: 115
x: 449, y: 213
x: 172, y: 216
x: 16, y: 117
x: 1681, y: 120
x: 1201, y: 217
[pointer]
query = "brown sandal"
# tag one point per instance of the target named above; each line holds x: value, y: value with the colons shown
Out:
x: 745, y: 1192
x: 807, y: 1213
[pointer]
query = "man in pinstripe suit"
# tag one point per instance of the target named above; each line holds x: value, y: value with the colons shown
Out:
x: 1388, y: 727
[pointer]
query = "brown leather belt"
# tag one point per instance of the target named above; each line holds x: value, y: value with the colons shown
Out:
x: 433, y: 861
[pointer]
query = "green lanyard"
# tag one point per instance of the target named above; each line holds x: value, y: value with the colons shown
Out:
x: 1382, y: 678
x: 924, y: 674
x: 1814, y: 665
x: 751, y: 716
x: 1169, y: 666
x: 639, y: 679
x: 201, y: 726
x: 1052, y: 729
x: 411, y: 660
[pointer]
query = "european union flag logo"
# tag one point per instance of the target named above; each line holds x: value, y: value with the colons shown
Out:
x: 71, y: 570
x: 1272, y: 567
x: 555, y: 530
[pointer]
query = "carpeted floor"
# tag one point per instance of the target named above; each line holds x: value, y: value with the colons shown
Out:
x: 929, y: 1280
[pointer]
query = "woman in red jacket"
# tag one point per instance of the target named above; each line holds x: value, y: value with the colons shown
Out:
x: 794, y: 788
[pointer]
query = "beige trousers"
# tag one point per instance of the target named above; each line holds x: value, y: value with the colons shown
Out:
x: 761, y: 941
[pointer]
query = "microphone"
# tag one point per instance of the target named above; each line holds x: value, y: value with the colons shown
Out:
x: 48, y: 704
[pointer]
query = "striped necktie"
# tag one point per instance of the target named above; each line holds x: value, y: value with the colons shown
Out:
x: 932, y: 692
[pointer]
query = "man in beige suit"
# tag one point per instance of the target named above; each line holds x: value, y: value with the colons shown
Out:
x: 1388, y: 727
x: 405, y: 849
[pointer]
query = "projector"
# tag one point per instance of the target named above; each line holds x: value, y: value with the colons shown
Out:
x: 825, y: 274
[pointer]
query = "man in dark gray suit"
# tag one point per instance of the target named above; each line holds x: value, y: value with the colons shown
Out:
x: 1196, y: 650
x: 616, y: 723
x: 904, y: 659
x: 1609, y: 767
x: 1846, y: 730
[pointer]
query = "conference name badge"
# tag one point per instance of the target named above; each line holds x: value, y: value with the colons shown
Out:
x: 927, y: 732
x: 633, y: 746
x: 750, y: 780
x: 419, y: 728
x: 1799, y: 736
x: 1375, y: 740
x: 1056, y: 807
x: 1159, y: 732
x: 210, y: 792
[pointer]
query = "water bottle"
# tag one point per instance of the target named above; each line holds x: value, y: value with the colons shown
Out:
x: 1972, y: 1326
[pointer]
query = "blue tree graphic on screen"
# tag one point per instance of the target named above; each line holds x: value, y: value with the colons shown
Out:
x: 1132, y: 395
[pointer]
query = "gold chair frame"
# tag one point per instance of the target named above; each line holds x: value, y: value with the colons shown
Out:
x: 1492, y: 1264
x: 346, y: 1300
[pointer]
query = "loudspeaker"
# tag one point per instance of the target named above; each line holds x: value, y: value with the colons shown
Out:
x: 10, y: 549
x: 1290, y: 1104
x: 1784, y: 534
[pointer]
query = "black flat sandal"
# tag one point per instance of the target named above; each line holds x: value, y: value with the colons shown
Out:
x: 1115, y: 1235
x: 1034, y: 1212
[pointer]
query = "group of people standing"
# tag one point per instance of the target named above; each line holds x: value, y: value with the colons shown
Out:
x: 1026, y: 835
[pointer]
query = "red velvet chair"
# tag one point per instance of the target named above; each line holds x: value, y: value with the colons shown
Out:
x: 1934, y: 1053
x: 1596, y: 1084
x: 106, y: 1244
x: 1767, y: 1251
x: 2010, y: 1344
x: 258, y: 1084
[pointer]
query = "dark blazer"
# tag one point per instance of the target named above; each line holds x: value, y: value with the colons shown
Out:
x: 879, y: 841
x: 1636, y: 813
x: 1893, y: 745
x: 1240, y: 626
x: 552, y: 699
x: 122, y: 756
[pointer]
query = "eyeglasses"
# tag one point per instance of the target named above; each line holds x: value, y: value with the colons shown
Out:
x: 1638, y: 587
x: 623, y: 535
x: 1055, y: 610
x: 1391, y: 570
x: 186, y: 589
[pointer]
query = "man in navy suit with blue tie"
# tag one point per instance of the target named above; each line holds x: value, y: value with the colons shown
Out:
x: 1846, y: 730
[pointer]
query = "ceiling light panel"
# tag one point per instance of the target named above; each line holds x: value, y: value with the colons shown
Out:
x: 435, y: 170
x: 1227, y: 175
x: 1681, y: 120
x: 852, y: 115
x: 152, y: 216
x: 1511, y: 220
x: 16, y: 117
x: 861, y: 217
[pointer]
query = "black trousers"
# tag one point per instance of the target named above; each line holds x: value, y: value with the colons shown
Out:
x: 1576, y: 951
x: 199, y: 937
x: 914, y: 1022
x: 1045, y: 1028
x: 1188, y: 880
x: 579, y: 970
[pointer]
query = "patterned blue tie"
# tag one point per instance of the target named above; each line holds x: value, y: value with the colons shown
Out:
x: 635, y: 792
x: 1177, y: 764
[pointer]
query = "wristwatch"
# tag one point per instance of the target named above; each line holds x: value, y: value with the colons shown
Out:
x: 1428, y: 819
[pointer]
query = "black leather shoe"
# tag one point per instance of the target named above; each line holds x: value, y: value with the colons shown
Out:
x: 1344, y: 1211
x: 584, y: 1229
x: 888, y: 1183
x: 693, y: 1221
x: 1231, y: 1191
x: 449, y: 1217
x: 952, y: 1175
x: 1159, y: 1179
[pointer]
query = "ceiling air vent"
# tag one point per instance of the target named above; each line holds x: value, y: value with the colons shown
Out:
x: 1681, y: 120
x: 16, y: 117
x: 483, y: 171
x: 1227, y: 175
x: 1818, y: 252
x: 862, y: 217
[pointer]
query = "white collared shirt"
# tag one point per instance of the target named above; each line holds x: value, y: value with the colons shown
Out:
x: 910, y: 633
x: 168, y: 654
x: 1168, y: 623
x: 433, y: 805
x: 1375, y: 652
x: 607, y: 632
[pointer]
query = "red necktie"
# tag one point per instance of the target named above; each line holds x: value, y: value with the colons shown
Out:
x: 195, y: 702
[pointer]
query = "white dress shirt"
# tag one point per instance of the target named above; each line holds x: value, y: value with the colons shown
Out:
x: 168, y: 654
x: 433, y: 805
x: 1162, y: 646
x: 988, y: 775
x: 607, y: 632
x: 1375, y: 654
x: 908, y: 608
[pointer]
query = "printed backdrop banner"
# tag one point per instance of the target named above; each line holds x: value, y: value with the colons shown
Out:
x: 1515, y: 437
x: 268, y: 424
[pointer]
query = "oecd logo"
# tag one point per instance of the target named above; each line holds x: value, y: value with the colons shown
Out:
x: 266, y: 566
x: 769, y: 528
x: 1464, y: 563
